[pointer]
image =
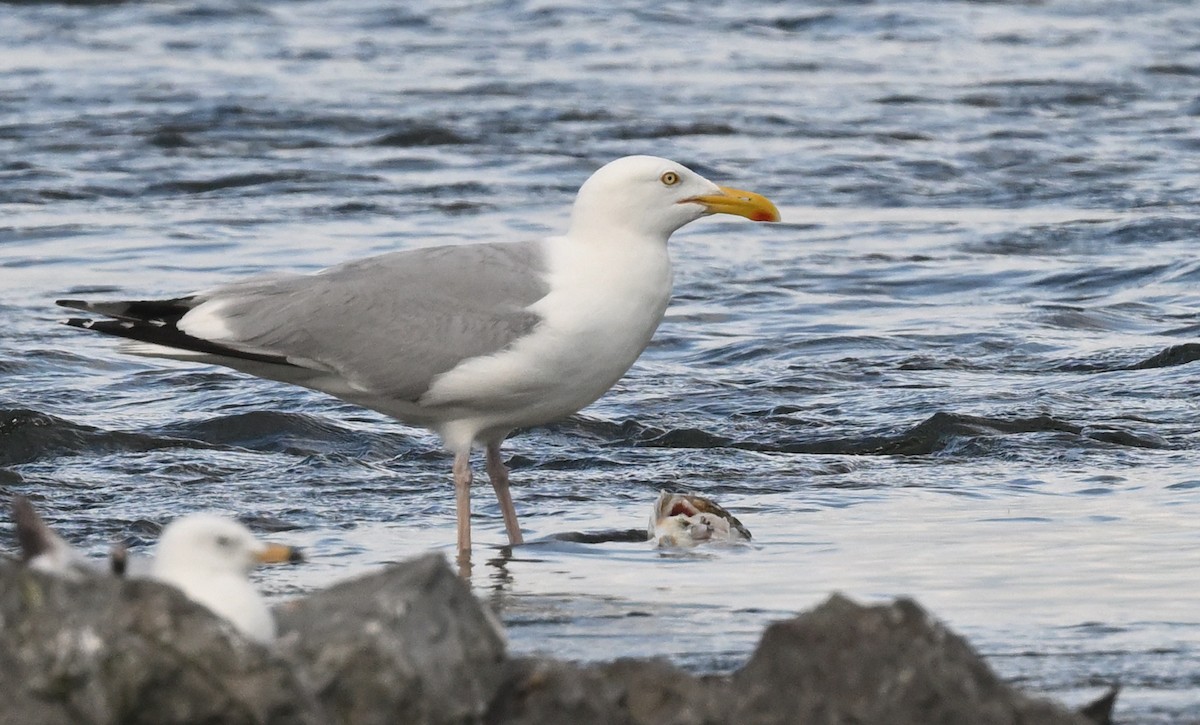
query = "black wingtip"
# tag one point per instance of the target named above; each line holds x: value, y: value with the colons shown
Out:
x: 148, y: 311
x: 163, y: 334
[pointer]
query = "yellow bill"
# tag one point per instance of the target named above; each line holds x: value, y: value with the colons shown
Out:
x: 755, y: 207
x: 280, y: 554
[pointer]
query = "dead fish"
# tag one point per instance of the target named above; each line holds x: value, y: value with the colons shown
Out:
x: 687, y: 519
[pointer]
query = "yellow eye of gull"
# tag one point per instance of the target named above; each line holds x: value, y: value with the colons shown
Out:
x: 669, y: 178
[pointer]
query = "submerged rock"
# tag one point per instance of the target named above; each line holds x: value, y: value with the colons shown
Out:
x: 411, y: 644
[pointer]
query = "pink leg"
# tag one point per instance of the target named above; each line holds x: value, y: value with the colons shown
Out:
x: 462, y: 503
x: 498, y: 473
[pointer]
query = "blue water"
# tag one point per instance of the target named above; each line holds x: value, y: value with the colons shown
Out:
x: 962, y: 370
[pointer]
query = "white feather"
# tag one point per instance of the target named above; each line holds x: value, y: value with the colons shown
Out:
x: 209, y: 558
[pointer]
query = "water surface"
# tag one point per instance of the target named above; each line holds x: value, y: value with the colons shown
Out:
x: 963, y: 370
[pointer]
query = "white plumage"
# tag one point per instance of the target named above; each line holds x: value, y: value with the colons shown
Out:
x: 209, y: 558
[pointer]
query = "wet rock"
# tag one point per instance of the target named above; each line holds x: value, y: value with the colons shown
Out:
x: 845, y: 663
x: 1100, y: 711
x: 105, y: 650
x: 410, y: 644
x: 626, y: 691
x: 840, y: 663
x: 1174, y: 355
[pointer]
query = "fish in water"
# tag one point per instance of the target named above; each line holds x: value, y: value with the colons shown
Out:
x: 687, y: 519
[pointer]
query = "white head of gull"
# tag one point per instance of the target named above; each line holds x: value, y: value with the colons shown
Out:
x: 210, y: 558
x: 472, y: 341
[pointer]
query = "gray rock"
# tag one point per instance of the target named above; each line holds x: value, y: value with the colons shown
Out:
x: 845, y: 663
x: 623, y: 692
x: 105, y: 650
x: 410, y: 644
x: 1100, y: 710
x: 840, y: 663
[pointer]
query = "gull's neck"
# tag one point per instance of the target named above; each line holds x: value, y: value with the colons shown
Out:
x: 613, y: 233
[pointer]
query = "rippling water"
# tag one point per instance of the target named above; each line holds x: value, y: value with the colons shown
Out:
x: 964, y: 370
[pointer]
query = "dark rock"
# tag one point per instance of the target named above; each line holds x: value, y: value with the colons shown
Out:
x: 93, y: 649
x: 624, y: 691
x: 845, y: 663
x: 541, y: 691
x: 1174, y: 355
x: 410, y: 644
x: 1100, y: 711
x: 840, y: 663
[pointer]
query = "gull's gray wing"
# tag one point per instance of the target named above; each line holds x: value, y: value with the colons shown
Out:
x: 391, y: 323
x: 387, y: 324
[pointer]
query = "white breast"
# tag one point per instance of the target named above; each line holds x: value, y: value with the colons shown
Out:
x: 228, y: 595
x: 606, y: 301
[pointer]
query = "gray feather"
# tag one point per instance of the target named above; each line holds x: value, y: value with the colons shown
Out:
x: 394, y: 322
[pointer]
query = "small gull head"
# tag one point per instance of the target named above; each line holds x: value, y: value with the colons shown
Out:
x: 209, y: 558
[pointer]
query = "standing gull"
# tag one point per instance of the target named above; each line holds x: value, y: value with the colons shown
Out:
x: 471, y: 341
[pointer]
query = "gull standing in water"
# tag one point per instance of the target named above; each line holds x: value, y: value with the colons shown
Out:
x: 471, y: 341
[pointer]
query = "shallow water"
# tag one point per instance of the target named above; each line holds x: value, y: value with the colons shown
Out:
x: 963, y: 370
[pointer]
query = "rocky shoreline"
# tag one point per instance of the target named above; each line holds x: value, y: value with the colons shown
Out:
x: 412, y: 644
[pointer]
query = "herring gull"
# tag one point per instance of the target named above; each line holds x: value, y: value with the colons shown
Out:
x: 209, y: 558
x: 471, y: 341
x: 206, y: 556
